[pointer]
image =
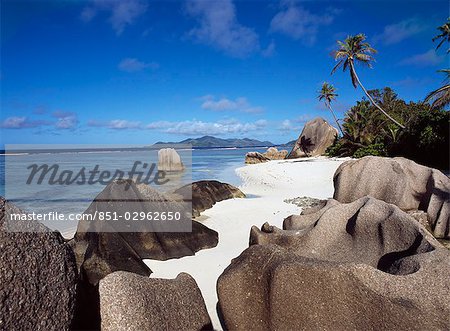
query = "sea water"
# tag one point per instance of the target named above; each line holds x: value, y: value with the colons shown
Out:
x: 204, y: 164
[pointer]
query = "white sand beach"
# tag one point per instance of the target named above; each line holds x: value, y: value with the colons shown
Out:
x: 266, y: 186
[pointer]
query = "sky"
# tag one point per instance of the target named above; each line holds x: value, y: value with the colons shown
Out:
x: 141, y: 71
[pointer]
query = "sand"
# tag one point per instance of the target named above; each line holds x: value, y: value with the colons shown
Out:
x: 266, y: 186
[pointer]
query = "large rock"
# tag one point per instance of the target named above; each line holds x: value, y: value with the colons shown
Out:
x: 38, y: 275
x: 366, y: 265
x: 102, y: 247
x: 100, y: 238
x: 169, y: 160
x: 255, y: 157
x: 316, y: 137
x: 401, y: 182
x: 272, y: 153
x: 132, y: 302
x: 205, y: 193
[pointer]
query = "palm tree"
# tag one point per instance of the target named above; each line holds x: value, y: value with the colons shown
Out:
x: 328, y: 94
x: 354, y: 48
x: 441, y: 96
x: 444, y: 35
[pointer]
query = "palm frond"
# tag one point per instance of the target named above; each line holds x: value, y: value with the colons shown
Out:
x: 354, y: 48
x: 337, y: 66
x: 444, y: 35
x: 440, y: 97
x: 345, y: 65
x: 364, y: 57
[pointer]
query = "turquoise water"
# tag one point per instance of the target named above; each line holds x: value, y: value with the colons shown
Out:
x: 203, y: 164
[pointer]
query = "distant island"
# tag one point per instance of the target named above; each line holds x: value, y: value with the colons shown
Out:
x: 214, y: 142
x: 199, y: 143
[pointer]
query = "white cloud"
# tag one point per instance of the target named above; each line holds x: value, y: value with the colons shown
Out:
x: 429, y: 58
x: 122, y: 12
x: 269, y: 50
x: 261, y: 123
x: 188, y: 127
x: 195, y: 127
x: 395, y: 33
x: 295, y: 124
x: 22, y: 122
x: 241, y: 104
x: 286, y: 125
x: 16, y: 122
x: 219, y: 27
x: 299, y: 23
x: 65, y: 120
x: 134, y: 65
x: 158, y: 125
x: 123, y: 124
x: 118, y: 124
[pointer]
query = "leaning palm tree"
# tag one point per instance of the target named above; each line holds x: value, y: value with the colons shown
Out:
x: 328, y: 94
x: 444, y: 35
x: 355, y: 49
x: 441, y: 97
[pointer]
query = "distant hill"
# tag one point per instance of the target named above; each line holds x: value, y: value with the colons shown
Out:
x: 288, y: 144
x: 209, y: 141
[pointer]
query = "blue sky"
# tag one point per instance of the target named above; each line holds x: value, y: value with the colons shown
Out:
x: 137, y: 71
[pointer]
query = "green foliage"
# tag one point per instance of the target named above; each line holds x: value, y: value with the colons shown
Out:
x: 440, y: 98
x: 428, y: 136
x: 426, y: 139
x: 336, y: 148
x: 367, y: 132
x: 444, y: 35
x: 374, y: 149
x: 353, y: 49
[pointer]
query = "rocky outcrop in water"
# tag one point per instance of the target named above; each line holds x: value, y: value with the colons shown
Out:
x: 38, y: 275
x: 401, y: 182
x: 362, y: 265
x: 316, y: 137
x: 132, y: 302
x: 169, y: 160
x: 205, y: 193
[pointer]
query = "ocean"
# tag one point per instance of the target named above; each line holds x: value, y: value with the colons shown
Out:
x: 201, y: 164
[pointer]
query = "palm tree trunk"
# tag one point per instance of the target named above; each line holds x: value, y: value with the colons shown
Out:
x: 352, y: 68
x: 335, y: 119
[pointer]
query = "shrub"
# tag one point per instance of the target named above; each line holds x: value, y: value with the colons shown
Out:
x: 374, y: 149
x: 426, y: 139
x: 335, y: 149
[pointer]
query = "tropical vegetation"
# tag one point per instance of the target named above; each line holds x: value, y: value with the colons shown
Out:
x: 425, y: 138
x: 355, y: 49
x: 328, y: 94
x: 444, y: 35
x: 383, y: 124
x: 440, y: 97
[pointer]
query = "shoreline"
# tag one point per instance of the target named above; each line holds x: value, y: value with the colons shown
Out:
x: 266, y: 185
